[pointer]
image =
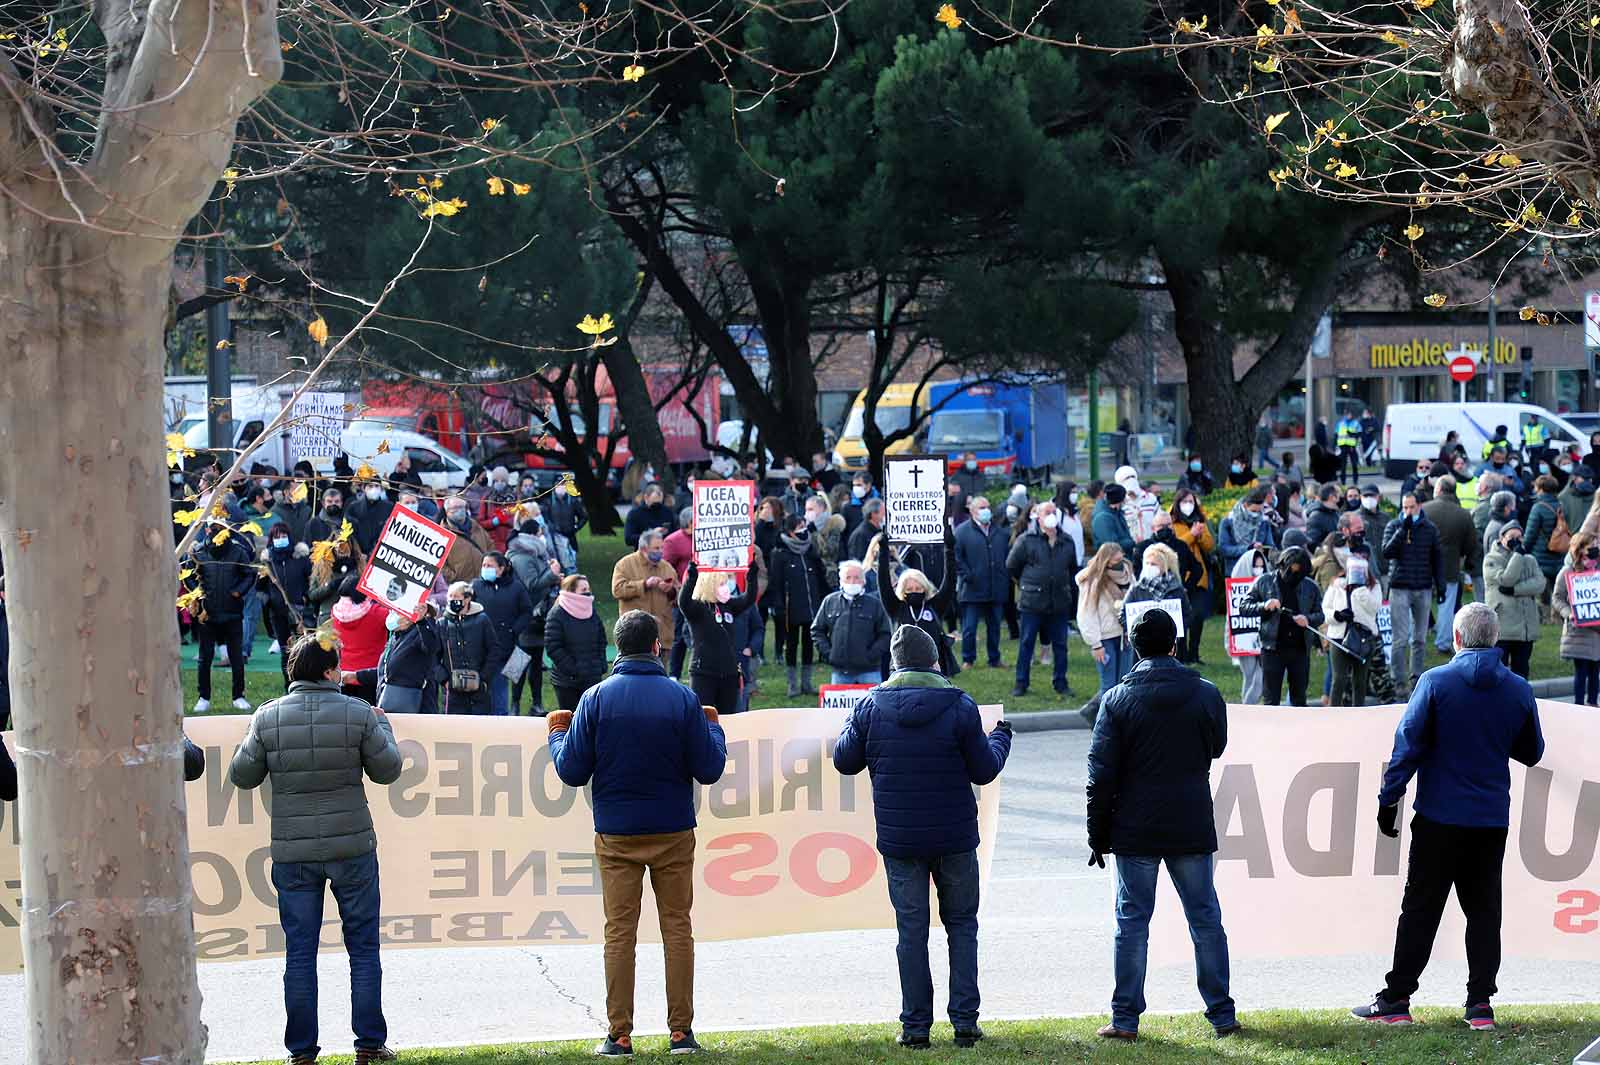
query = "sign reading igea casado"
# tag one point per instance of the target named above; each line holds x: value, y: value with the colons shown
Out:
x: 480, y: 844
x: 1423, y: 353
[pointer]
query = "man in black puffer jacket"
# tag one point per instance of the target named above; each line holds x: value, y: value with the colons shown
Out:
x: 1290, y: 609
x: 1149, y: 802
x: 923, y: 741
x: 1044, y: 563
x: 226, y: 573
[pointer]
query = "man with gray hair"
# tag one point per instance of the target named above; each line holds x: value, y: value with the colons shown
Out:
x: 851, y: 630
x: 1464, y: 722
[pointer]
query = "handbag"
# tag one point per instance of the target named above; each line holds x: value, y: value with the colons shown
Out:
x: 465, y: 680
x: 517, y: 664
x: 1561, y: 535
x: 394, y: 699
x: 1361, y: 641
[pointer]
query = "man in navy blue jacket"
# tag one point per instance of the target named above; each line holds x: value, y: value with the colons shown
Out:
x: 922, y: 739
x: 1464, y: 722
x: 981, y: 580
x: 644, y: 739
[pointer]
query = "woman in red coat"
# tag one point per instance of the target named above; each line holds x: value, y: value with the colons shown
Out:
x: 362, y: 630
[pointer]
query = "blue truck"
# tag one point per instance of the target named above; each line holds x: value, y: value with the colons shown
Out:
x: 1017, y: 429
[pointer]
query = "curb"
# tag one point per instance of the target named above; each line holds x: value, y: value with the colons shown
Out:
x: 1070, y: 720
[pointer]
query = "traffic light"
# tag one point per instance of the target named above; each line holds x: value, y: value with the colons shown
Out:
x: 1525, y: 386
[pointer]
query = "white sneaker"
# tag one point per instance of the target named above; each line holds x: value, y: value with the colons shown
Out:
x: 274, y: 649
x: 222, y: 659
x: 242, y: 704
x: 202, y: 706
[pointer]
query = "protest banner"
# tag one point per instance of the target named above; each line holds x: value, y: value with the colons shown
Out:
x: 914, y: 499
x: 1302, y: 870
x: 1132, y: 612
x: 1244, y: 632
x: 1583, y: 593
x: 724, y: 524
x: 405, y: 562
x: 842, y: 696
x: 482, y: 845
x: 317, y: 431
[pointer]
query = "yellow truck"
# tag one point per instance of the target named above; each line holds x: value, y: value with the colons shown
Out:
x: 893, y: 413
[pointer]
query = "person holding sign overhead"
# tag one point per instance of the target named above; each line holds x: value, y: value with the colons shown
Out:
x: 1577, y: 603
x: 711, y: 604
x: 911, y: 599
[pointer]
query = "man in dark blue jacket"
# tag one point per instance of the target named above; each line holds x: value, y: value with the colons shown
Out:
x: 922, y: 740
x: 644, y: 739
x: 981, y: 580
x: 1416, y: 582
x: 1149, y: 802
x: 506, y: 601
x: 1464, y: 723
x: 225, y: 573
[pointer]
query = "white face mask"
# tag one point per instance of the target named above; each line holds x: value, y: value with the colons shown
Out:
x: 392, y: 622
x: 1051, y: 520
x: 374, y: 493
x: 1150, y: 572
x: 1186, y: 508
x: 852, y: 590
x: 1369, y: 502
x: 1012, y: 511
x: 858, y: 491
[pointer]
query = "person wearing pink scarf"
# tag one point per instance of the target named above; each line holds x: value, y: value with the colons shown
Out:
x: 574, y: 641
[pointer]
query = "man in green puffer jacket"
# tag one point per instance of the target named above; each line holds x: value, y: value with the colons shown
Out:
x: 316, y: 744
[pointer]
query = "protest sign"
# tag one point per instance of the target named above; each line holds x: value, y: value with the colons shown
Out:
x: 1583, y: 593
x: 317, y: 431
x: 914, y: 499
x: 1385, y: 628
x: 482, y: 845
x: 724, y: 524
x: 1244, y: 633
x: 1134, y: 611
x: 842, y: 696
x: 405, y: 561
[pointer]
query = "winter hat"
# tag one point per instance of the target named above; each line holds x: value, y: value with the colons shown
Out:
x: 1115, y: 494
x: 1154, y: 634
x: 1294, y: 538
x: 1370, y: 489
x: 911, y: 648
x: 1019, y: 496
x: 1127, y: 477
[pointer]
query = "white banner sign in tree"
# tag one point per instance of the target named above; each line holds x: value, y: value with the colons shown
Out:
x: 724, y: 524
x: 914, y: 499
x: 405, y: 562
x: 318, y: 427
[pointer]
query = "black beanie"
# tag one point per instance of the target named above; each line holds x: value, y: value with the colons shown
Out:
x: 911, y: 648
x: 1115, y: 494
x: 1154, y: 634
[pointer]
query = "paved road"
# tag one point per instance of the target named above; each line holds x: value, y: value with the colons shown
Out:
x: 1046, y: 950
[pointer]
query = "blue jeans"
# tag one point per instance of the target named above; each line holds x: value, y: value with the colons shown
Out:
x: 252, y: 618
x: 499, y: 694
x: 1443, y: 636
x: 1119, y: 659
x: 867, y: 676
x: 1136, y: 900
x: 300, y: 887
x: 1054, y: 628
x: 955, y: 876
x: 971, y: 613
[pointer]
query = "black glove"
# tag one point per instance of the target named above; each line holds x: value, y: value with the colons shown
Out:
x: 1345, y: 616
x: 1097, y: 858
x: 1387, y: 816
x: 1438, y: 595
x: 1508, y: 590
x: 1003, y: 726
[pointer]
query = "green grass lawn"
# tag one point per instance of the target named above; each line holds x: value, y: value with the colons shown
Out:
x: 599, y: 554
x: 1530, y: 1035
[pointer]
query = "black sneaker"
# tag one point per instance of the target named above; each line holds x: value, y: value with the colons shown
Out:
x: 913, y: 1042
x: 1480, y: 1018
x: 1383, y: 1011
x: 968, y: 1037
x: 1224, y: 1031
x: 620, y: 1047
x: 1019, y: 689
x: 302, y: 1059
x: 364, y: 1055
x: 683, y: 1043
x: 1063, y: 689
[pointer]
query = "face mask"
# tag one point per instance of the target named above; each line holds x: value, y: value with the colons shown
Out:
x: 859, y: 491
x: 1592, y: 553
x: 984, y: 514
x: 457, y: 517
x: 800, y: 536
x: 374, y: 493
x: 724, y: 593
x: 1050, y: 521
x: 1514, y: 544
x: 1259, y: 568
x: 914, y: 600
x: 334, y: 511
x: 1195, y: 466
x: 1072, y: 498
x: 1236, y: 468
x: 265, y: 483
x: 489, y: 574
x: 970, y: 465
x: 457, y: 606
x: 653, y: 556
x: 1012, y: 511
x: 1544, y: 467
x: 1186, y: 508
x: 392, y: 622
x: 1149, y: 572
x: 816, y: 518
x: 280, y: 545
x: 852, y: 590
x: 1369, y: 502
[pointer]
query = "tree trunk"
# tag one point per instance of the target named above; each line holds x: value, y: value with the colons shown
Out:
x: 636, y: 409
x: 1222, y: 413
x: 108, y: 940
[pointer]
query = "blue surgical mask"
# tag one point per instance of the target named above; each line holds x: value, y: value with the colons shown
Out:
x: 653, y: 556
x: 280, y: 544
x: 392, y: 622
x: 984, y: 514
x: 1195, y: 465
x: 489, y: 573
x: 1236, y: 468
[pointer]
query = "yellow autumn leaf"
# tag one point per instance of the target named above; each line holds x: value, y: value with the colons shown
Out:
x: 186, y: 518
x: 1423, y: 5
x: 446, y: 208
x: 383, y: 447
x: 436, y: 183
x: 346, y: 530
x: 190, y: 598
x: 1269, y: 67
x: 1390, y: 37
x: 230, y: 179
x: 573, y: 489
x: 1575, y: 219
x: 1274, y: 121
x: 1185, y: 26
x: 1532, y: 214
x: 1595, y: 21
x: 250, y: 527
x: 318, y: 330
x: 221, y: 344
x: 521, y: 189
x: 222, y: 536
x: 632, y: 72
x: 594, y: 327
x: 1278, y: 177
x: 1291, y: 20
x: 1413, y: 232
x: 1264, y: 31
x: 1508, y: 160
x: 497, y: 186
x: 947, y: 17
x: 366, y: 472
x: 235, y: 279
x: 1528, y: 314
x: 298, y: 493
x: 1435, y: 299
x: 1423, y: 199
x: 1460, y: 179
x: 489, y: 124
x: 322, y: 553
x: 1345, y: 171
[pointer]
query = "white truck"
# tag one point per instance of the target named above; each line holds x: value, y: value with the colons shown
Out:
x: 1412, y: 431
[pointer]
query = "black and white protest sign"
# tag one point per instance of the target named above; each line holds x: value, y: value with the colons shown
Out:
x: 724, y: 524
x: 405, y: 562
x: 1583, y: 593
x: 318, y: 426
x: 914, y: 499
x: 1244, y: 630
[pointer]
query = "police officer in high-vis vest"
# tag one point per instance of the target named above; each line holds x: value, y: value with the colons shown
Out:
x: 1348, y: 440
x: 1535, y: 441
x: 1498, y: 440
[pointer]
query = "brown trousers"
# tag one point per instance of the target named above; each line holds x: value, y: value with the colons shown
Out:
x: 623, y: 860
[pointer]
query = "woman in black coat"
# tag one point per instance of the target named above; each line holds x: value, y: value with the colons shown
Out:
x: 575, y: 640
x: 406, y: 678
x: 711, y: 603
x: 470, y: 644
x: 795, y: 589
x: 911, y: 598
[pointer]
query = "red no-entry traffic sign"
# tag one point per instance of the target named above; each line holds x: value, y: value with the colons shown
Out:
x: 1462, y: 369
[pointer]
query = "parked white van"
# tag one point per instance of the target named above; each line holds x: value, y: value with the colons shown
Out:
x: 1415, y: 430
